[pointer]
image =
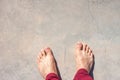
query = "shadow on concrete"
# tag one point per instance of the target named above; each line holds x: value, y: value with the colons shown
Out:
x: 91, y: 72
x: 58, y: 69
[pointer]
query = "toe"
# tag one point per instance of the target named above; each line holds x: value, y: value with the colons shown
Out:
x: 79, y: 46
x: 40, y: 55
x: 38, y: 59
x: 84, y: 47
x: 90, y: 52
x: 87, y: 49
x: 48, y: 51
x: 43, y: 52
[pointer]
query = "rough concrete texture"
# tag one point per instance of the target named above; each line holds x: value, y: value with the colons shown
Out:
x: 28, y: 25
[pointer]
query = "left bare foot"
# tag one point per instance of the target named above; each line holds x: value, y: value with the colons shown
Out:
x: 46, y: 62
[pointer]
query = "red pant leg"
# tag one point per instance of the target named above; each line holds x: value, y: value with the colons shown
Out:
x: 82, y: 74
x: 52, y: 76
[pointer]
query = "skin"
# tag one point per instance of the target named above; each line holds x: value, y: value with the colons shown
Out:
x: 83, y: 57
x: 46, y: 62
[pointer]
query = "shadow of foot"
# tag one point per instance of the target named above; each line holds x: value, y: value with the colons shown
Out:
x: 92, y: 69
x: 58, y: 70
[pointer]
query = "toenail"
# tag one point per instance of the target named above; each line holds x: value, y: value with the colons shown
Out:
x: 47, y: 48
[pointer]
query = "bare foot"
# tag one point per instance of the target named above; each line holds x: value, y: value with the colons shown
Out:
x: 46, y: 62
x: 83, y: 57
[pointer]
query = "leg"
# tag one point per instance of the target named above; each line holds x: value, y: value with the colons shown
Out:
x: 46, y: 65
x: 84, y: 62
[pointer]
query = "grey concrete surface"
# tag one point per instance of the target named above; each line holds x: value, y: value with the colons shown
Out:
x: 28, y: 25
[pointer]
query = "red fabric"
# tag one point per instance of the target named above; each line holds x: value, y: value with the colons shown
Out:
x: 81, y: 74
x: 52, y: 76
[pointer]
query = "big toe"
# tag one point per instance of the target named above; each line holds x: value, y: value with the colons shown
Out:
x: 48, y: 51
x: 79, y: 47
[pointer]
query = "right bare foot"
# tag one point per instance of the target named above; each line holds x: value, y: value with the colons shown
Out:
x: 46, y: 62
x: 83, y: 57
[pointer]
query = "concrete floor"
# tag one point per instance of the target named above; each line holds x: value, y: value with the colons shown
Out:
x: 28, y: 25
